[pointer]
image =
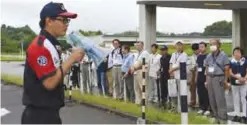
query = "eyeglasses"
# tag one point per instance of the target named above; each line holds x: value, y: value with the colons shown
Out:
x: 64, y: 20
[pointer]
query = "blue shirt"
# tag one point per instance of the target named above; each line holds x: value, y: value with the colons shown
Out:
x: 128, y: 60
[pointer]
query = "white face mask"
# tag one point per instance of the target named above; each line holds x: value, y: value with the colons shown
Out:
x: 213, y: 48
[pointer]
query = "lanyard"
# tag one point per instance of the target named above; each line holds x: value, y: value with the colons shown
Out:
x: 153, y: 58
x: 116, y: 51
x: 215, y: 57
x: 139, y: 54
x: 177, y: 56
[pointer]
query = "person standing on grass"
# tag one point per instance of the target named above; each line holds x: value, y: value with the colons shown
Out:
x: 238, y: 67
x: 201, y: 78
x: 116, y: 60
x: 196, y: 51
x: 154, y: 66
x: 108, y: 69
x: 101, y: 77
x: 128, y: 77
x: 164, y: 74
x: 217, y: 68
x: 177, y: 57
x: 87, y: 87
x: 136, y: 69
x: 43, y: 92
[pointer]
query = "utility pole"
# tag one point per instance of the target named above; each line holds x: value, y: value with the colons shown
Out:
x: 137, y: 30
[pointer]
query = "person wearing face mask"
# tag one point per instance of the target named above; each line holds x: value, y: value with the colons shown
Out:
x: 238, y: 67
x: 217, y: 67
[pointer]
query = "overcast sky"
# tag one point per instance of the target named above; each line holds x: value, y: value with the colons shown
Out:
x: 111, y: 16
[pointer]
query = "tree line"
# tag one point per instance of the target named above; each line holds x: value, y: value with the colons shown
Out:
x: 12, y: 37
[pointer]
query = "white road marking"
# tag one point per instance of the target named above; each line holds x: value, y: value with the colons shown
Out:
x: 4, y: 112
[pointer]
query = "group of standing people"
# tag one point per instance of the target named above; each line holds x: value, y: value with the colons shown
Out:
x: 211, y: 73
x: 215, y: 73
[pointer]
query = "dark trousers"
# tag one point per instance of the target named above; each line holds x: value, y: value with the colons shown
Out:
x: 102, y: 80
x: 75, y: 76
x: 129, y: 81
x: 34, y: 115
x: 164, y: 89
x: 202, y: 95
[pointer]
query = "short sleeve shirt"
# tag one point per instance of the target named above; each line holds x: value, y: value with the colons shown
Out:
x: 141, y: 55
x: 217, y: 62
x: 176, y: 59
x: 201, y: 68
x: 200, y: 64
x: 43, y: 58
x: 238, y: 67
x: 154, y: 64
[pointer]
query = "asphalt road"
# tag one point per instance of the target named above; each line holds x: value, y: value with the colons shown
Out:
x: 11, y: 97
x: 76, y: 114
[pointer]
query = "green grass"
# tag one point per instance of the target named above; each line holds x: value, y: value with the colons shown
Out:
x: 152, y: 114
x: 12, y: 53
x: 4, y: 58
x: 12, y: 79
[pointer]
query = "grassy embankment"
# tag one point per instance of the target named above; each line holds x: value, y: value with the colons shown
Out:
x: 152, y: 114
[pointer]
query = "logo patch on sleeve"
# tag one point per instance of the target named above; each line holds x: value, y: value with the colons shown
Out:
x: 42, y: 60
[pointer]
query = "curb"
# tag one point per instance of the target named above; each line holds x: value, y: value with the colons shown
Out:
x: 100, y: 107
x: 115, y: 111
x: 9, y: 83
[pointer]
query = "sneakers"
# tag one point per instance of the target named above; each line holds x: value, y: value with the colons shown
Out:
x: 200, y: 112
x: 156, y: 100
x: 243, y: 120
x: 206, y: 113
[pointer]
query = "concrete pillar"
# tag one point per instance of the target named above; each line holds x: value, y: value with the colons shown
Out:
x: 239, y: 29
x: 147, y: 24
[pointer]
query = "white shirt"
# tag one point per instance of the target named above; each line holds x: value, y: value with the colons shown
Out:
x: 85, y: 58
x: 65, y: 56
x: 154, y: 64
x: 142, y: 54
x: 176, y: 59
x: 115, y: 58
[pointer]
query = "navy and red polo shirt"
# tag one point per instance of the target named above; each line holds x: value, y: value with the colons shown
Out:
x: 42, y: 61
x: 238, y: 67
